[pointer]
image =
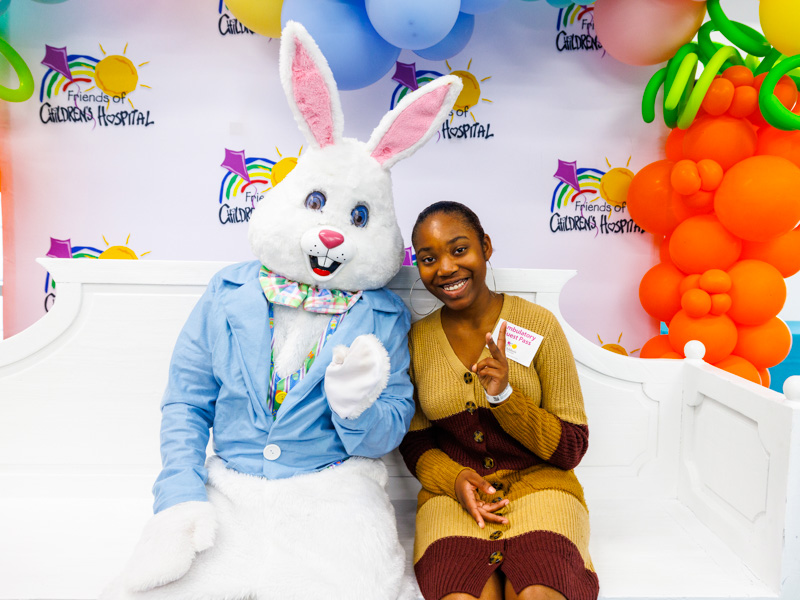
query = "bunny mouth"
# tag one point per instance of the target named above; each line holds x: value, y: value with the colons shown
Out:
x: 323, y: 266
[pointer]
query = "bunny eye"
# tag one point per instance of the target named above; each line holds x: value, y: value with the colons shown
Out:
x: 315, y: 200
x: 359, y: 216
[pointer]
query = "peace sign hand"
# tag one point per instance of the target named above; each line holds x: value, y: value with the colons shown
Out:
x: 493, y: 371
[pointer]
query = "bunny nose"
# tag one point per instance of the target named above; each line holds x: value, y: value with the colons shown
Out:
x: 331, y: 239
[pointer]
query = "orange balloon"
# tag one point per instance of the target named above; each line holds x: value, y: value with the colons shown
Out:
x: 765, y: 377
x: 658, y: 291
x: 758, y: 292
x: 685, y: 177
x: 783, y: 252
x: 764, y: 345
x: 655, y: 347
x: 710, y: 173
x: 696, y: 303
x: 718, y: 334
x: 674, y: 145
x: 700, y: 202
x: 758, y: 200
x: 785, y: 144
x: 652, y: 202
x: 744, y: 102
x: 741, y: 367
x: 689, y: 282
x: 701, y: 243
x: 739, y: 75
x: 663, y: 251
x: 718, y: 97
x: 715, y: 281
x: 723, y: 139
x: 720, y: 304
x: 674, y: 355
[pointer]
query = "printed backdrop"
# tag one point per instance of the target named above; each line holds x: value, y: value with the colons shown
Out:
x: 170, y: 163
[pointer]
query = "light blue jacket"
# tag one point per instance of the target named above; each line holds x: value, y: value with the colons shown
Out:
x: 219, y: 375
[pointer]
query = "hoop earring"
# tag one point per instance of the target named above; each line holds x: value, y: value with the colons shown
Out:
x: 494, y: 281
x: 411, y: 301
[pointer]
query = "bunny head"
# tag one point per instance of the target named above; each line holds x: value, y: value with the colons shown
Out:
x: 331, y: 221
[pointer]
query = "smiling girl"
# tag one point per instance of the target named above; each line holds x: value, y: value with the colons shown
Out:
x: 494, y: 439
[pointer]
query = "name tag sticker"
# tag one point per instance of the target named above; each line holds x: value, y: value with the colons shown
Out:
x: 521, y: 344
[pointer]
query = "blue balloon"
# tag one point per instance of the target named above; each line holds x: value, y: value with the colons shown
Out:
x: 413, y: 24
x: 455, y: 41
x: 478, y: 7
x: 357, y: 55
x: 4, y: 5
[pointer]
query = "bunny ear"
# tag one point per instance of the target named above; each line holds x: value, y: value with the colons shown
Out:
x: 310, y: 87
x: 412, y: 122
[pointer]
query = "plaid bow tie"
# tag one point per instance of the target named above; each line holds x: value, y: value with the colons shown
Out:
x: 280, y: 290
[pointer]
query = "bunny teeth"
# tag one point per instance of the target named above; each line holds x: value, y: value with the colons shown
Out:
x: 323, y: 266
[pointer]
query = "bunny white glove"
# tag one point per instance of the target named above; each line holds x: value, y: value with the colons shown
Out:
x: 168, y: 545
x: 356, y: 376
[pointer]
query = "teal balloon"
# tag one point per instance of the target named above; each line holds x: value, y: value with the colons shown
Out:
x: 455, y: 41
x: 4, y: 4
x: 413, y: 24
x: 561, y: 3
x: 479, y: 7
x: 356, y: 54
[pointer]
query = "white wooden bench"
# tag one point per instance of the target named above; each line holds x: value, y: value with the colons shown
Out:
x: 692, y: 475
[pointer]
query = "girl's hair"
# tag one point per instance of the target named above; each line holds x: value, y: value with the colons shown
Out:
x: 447, y: 207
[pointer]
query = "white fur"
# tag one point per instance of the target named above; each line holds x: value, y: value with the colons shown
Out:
x: 330, y: 534
x: 296, y: 331
x: 356, y: 376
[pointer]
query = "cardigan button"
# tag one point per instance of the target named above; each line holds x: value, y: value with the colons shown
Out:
x: 478, y: 436
x: 488, y: 462
x: 496, y: 535
x: 272, y: 452
x: 467, y: 377
x: 495, y: 558
x: 471, y: 407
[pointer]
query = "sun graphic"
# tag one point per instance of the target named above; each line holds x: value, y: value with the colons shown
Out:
x: 616, y: 348
x: 283, y: 167
x: 116, y: 75
x: 471, y: 92
x: 120, y: 252
x: 614, y: 184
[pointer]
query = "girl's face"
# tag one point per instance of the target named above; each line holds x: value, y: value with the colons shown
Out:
x: 452, y: 260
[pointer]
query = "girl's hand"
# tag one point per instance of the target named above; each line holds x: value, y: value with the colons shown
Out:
x: 493, y: 371
x: 467, y: 484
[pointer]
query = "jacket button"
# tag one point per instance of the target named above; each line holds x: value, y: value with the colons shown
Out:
x: 478, y: 436
x: 272, y: 452
x: 496, y: 535
x: 467, y: 377
x: 471, y: 407
x: 495, y: 558
x: 488, y: 462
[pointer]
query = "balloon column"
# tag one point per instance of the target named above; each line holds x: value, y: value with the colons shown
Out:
x: 724, y: 201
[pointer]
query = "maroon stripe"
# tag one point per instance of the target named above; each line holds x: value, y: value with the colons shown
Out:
x: 571, y: 447
x: 547, y: 558
x: 455, y: 435
x: 414, y: 445
x: 461, y: 564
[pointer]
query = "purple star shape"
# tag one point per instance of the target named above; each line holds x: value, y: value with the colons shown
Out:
x: 56, y: 59
x: 60, y: 248
x: 406, y: 74
x: 568, y: 173
x: 234, y: 162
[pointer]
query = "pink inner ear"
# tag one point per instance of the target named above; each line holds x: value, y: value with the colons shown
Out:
x: 312, y: 96
x: 409, y: 127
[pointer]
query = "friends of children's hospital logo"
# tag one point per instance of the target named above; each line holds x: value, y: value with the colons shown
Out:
x: 590, y: 200
x: 247, y: 181
x: 80, y: 88
x: 575, y: 28
x: 230, y: 25
x: 461, y: 123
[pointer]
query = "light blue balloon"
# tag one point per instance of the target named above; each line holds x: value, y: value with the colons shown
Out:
x: 479, y: 7
x: 561, y: 3
x: 4, y: 4
x: 413, y: 24
x: 455, y: 41
x: 357, y: 55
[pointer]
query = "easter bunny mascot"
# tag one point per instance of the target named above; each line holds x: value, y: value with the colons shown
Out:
x: 299, y: 363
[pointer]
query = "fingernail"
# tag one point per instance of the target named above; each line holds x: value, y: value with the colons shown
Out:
x: 492, y: 490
